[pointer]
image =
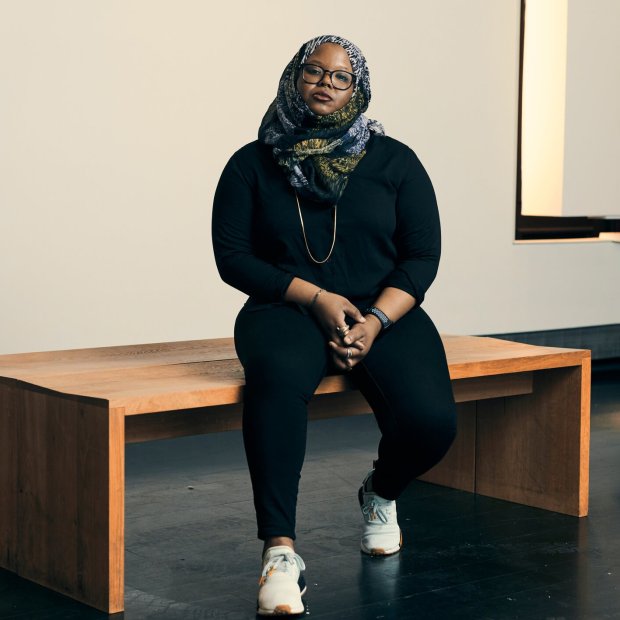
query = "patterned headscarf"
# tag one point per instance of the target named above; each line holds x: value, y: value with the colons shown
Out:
x: 319, y: 152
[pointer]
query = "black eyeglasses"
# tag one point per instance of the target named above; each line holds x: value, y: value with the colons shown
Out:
x: 313, y: 74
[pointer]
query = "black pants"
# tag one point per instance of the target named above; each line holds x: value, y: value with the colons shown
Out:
x: 404, y: 378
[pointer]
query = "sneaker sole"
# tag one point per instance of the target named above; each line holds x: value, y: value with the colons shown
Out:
x: 377, y: 551
x: 283, y: 610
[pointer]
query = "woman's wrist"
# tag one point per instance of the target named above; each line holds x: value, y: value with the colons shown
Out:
x: 303, y: 293
x: 314, y: 298
x: 383, y: 318
x: 374, y: 324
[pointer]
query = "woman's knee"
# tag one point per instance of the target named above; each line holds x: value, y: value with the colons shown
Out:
x: 435, y: 426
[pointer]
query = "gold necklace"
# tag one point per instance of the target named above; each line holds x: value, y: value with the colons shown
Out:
x: 303, y: 230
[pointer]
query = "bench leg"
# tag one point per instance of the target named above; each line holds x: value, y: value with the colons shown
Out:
x: 535, y: 449
x: 67, y: 508
x: 8, y: 476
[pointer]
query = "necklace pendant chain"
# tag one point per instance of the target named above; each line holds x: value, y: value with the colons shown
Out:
x: 303, y: 230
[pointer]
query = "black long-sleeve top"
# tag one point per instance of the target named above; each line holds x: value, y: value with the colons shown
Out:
x: 388, y: 231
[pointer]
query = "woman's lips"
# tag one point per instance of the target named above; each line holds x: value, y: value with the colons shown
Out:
x: 321, y: 97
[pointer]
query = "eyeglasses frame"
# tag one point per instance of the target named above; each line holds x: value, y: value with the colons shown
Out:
x: 326, y: 71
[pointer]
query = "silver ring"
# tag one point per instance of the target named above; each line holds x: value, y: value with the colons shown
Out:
x: 349, y: 353
x: 344, y: 330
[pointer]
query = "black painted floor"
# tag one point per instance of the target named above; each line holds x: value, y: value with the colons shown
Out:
x: 191, y: 552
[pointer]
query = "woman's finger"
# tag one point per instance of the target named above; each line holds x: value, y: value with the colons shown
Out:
x: 340, y: 327
x: 346, y: 354
x: 354, y: 313
x: 339, y: 362
x: 342, y: 351
x: 354, y: 336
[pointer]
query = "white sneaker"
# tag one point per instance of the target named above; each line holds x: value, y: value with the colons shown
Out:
x: 281, y: 585
x: 381, y: 534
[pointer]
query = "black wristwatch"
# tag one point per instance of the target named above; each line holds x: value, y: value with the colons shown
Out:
x: 385, y: 322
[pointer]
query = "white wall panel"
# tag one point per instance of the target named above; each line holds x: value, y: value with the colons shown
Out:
x: 117, y: 117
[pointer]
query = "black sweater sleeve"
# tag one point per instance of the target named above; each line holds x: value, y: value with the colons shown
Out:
x: 232, y: 229
x: 418, y: 233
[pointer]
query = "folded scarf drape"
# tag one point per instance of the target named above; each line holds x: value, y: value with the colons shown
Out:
x: 318, y: 152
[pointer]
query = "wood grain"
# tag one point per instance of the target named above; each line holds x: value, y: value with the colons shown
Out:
x: 219, y: 418
x: 492, y: 386
x: 71, y: 489
x: 585, y: 396
x: 8, y: 477
x: 171, y: 376
x: 533, y: 449
x: 77, y: 361
x: 168, y: 424
x: 473, y: 356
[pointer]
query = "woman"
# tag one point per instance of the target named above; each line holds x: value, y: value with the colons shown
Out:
x: 332, y: 230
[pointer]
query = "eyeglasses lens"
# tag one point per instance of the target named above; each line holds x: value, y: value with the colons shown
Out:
x: 313, y: 74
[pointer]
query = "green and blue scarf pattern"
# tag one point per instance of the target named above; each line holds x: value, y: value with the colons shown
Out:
x: 319, y: 153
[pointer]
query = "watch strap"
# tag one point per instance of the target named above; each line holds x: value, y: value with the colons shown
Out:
x: 385, y: 321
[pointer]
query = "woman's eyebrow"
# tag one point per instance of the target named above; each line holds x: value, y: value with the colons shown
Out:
x: 322, y: 65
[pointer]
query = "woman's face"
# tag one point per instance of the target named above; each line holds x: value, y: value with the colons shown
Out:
x: 322, y: 98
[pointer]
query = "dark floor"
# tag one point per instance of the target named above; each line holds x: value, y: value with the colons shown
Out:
x: 191, y: 552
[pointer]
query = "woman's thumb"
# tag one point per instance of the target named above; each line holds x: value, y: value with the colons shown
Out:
x: 354, y: 313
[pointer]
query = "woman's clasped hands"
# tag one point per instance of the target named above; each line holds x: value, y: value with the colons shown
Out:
x: 348, y: 344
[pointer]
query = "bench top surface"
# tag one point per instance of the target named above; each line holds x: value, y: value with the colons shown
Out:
x: 198, y: 373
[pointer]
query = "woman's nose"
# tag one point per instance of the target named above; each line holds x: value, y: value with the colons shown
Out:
x: 326, y: 80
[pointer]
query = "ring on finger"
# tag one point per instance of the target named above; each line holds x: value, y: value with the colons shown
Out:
x: 349, y: 353
x: 344, y: 330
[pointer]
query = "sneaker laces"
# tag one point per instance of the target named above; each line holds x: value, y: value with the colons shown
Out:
x: 377, y: 509
x: 283, y: 563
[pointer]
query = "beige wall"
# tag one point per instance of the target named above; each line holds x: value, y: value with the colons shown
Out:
x: 117, y: 117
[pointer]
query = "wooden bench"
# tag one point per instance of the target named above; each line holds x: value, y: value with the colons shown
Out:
x: 65, y: 416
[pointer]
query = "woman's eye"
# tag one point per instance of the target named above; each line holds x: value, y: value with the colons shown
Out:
x: 343, y: 78
x: 313, y: 71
